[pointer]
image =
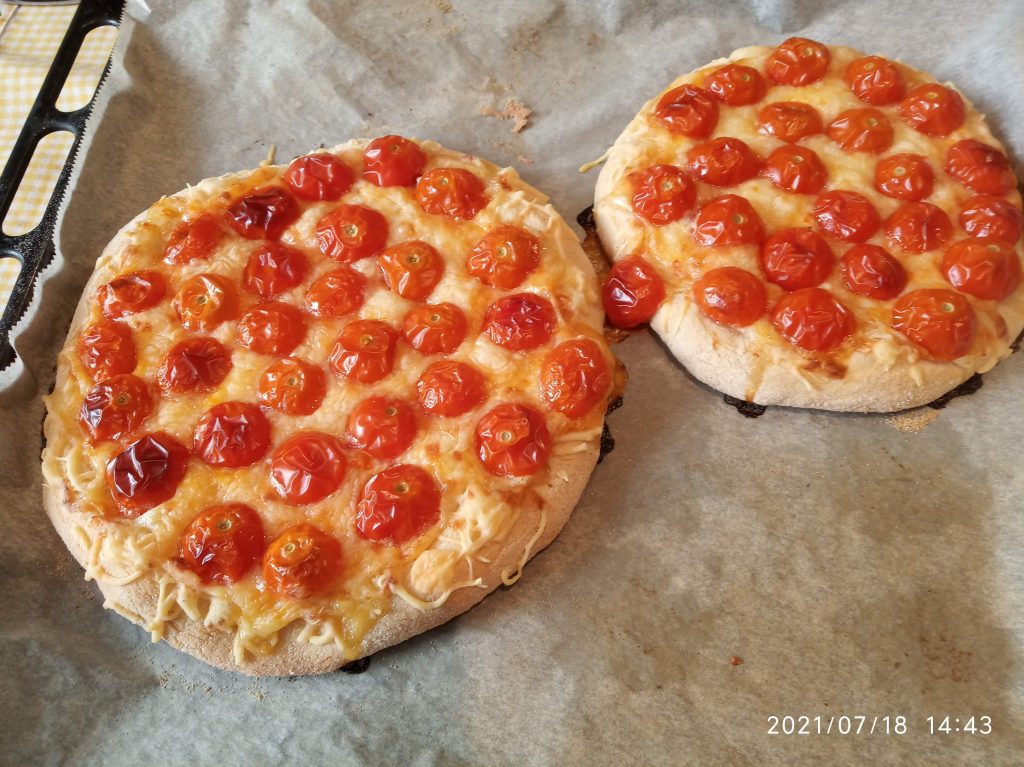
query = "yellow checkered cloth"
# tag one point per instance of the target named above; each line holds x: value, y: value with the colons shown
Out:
x: 29, y: 38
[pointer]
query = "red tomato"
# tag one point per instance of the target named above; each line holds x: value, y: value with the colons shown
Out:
x: 575, y: 378
x: 301, y: 562
x: 352, y: 232
x: 664, y: 193
x: 905, y: 177
x: 397, y: 505
x: 731, y: 296
x: 222, y: 543
x: 728, y: 220
x: 292, y: 386
x: 916, y: 227
x: 875, y: 80
x: 205, y: 301
x: 392, y: 161
x: 736, y: 85
x: 365, y: 351
x: 846, y: 216
x: 869, y: 270
x: 520, y: 322
x: 434, y: 328
x: 192, y: 239
x: 195, y: 364
x: 411, y: 269
x: 723, y: 162
x: 940, y: 322
x: 335, y: 294
x: 231, y: 435
x: 796, y: 169
x: 513, y: 441
x: 982, y: 267
x: 264, y: 214
x: 320, y: 176
x: 933, y: 109
x: 115, y: 407
x: 985, y: 216
x: 980, y: 167
x: 449, y: 388
x: 813, y: 319
x: 384, y: 427
x: 796, y: 258
x: 131, y: 293
x: 861, y: 130
x: 274, y: 268
x: 307, y: 467
x: 789, y: 121
x: 688, y: 110
x: 107, y: 349
x: 452, y: 192
x: 632, y: 292
x: 272, y: 328
x: 146, y: 473
x: 504, y: 257
x: 798, y: 61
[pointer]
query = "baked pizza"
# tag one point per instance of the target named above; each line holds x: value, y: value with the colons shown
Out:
x: 308, y: 411
x: 805, y: 225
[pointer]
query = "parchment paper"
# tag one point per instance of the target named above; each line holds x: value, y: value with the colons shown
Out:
x: 852, y: 567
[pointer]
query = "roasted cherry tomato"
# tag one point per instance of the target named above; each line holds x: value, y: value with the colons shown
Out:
x: 632, y: 292
x: 688, y: 110
x: 513, y: 441
x: 320, y: 176
x: 222, y: 543
x: 985, y: 216
x: 905, y: 176
x: 663, y: 194
x: 115, y: 407
x: 798, y: 61
x: 980, y: 167
x: 846, y: 216
x: 933, y: 109
x: 336, y: 293
x: 789, y: 121
x: 205, y: 301
x: 192, y: 239
x: 365, y: 351
x: 383, y: 427
x: 434, y: 328
x: 982, y: 267
x: 796, y: 258
x: 813, y: 319
x: 274, y: 268
x: 392, y: 161
x: 301, y: 562
x: 861, y: 130
x: 875, y: 80
x: 869, y: 270
x: 736, y: 85
x: 411, y: 269
x: 723, y: 161
x: 146, y: 473
x: 450, y: 388
x: 352, y: 232
x: 939, y: 321
x: 397, y: 505
x: 307, y: 467
x: 264, y: 214
x: 504, y: 257
x: 575, y: 378
x: 520, y: 322
x: 107, y: 349
x: 916, y: 227
x: 731, y: 296
x: 272, y: 328
x: 292, y: 386
x: 796, y: 169
x: 728, y: 220
x: 231, y: 435
x: 195, y: 364
x: 131, y: 293
x: 452, y: 192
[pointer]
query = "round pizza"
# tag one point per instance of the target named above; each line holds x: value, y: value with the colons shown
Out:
x: 805, y: 225
x: 308, y: 411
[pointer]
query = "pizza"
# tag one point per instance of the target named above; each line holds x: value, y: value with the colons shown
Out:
x: 808, y: 226
x: 308, y: 411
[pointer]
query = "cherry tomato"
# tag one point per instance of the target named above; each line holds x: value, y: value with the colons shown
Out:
x: 505, y: 256
x: 365, y: 351
x: 940, y: 322
x: 384, y: 427
x: 813, y: 319
x: 307, y: 467
x: 575, y: 378
x: 796, y: 169
x: 736, y: 85
x: 264, y: 214
x: 231, y: 435
x: 723, y: 162
x: 195, y: 364
x: 320, y: 176
x: 982, y: 267
x: 980, y: 167
x: 301, y: 562
x: 846, y: 216
x: 796, y: 258
x: 397, y: 505
x: 434, y: 328
x: 664, y: 193
x: 916, y: 227
x: 115, y: 408
x: 689, y: 111
x: 728, y: 220
x: 192, y: 239
x: 450, y: 388
x: 520, y: 322
x: 411, y: 269
x: 875, y: 80
x: 789, y: 121
x: 205, y: 301
x: 107, y: 349
x: 292, y: 386
x: 632, y: 292
x: 274, y: 268
x: 222, y: 543
x: 131, y: 293
x: 985, y: 216
x: 392, y: 161
x: 146, y: 473
x: 352, y: 232
x: 798, y: 61
x: 869, y: 270
x: 272, y: 328
x: 336, y: 293
x: 513, y: 441
x: 905, y: 177
x: 731, y: 296
x: 861, y: 130
x: 452, y: 192
x: 933, y: 109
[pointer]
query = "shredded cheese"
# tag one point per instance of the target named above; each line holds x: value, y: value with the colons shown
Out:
x: 512, y: 574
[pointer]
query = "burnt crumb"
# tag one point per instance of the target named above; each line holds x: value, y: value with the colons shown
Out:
x: 586, y: 219
x: 969, y: 386
x: 607, y: 442
x: 357, y: 666
x: 613, y: 404
x: 1015, y: 346
x: 746, y: 409
x: 735, y: 660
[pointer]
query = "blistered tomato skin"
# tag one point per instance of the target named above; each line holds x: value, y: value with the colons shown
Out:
x: 382, y: 427
x: 106, y: 348
x: 146, y: 473
x: 575, y: 378
x: 798, y: 61
x: 504, y: 257
x: 730, y: 296
x: 392, y: 161
x: 232, y: 435
x: 292, y: 386
x: 940, y: 322
x: 933, y: 109
x: 435, y: 328
x: 663, y: 194
x: 452, y: 192
x: 632, y: 292
x: 796, y: 169
x: 307, y: 467
x: 869, y: 270
x: 985, y: 216
x: 847, y: 216
x: 520, y: 322
x: 728, y: 220
x: 448, y: 388
x: 796, y: 258
x: 723, y: 162
x: 115, y: 408
x: 352, y: 232
x: 274, y: 268
x: 397, y: 505
x: 689, y: 111
x: 205, y: 301
x: 813, y: 319
x: 302, y: 562
x: 337, y: 293
x: 193, y: 239
x: 875, y: 80
x: 365, y: 351
x: 917, y: 227
x: 131, y: 293
x: 983, y: 267
x: 320, y: 176
x: 411, y: 269
x: 905, y: 176
x: 789, y: 121
x: 980, y: 167
x: 513, y: 441
x: 273, y: 328
x: 196, y: 364
x: 222, y: 543
x: 263, y: 214
x: 861, y: 130
x: 736, y: 85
